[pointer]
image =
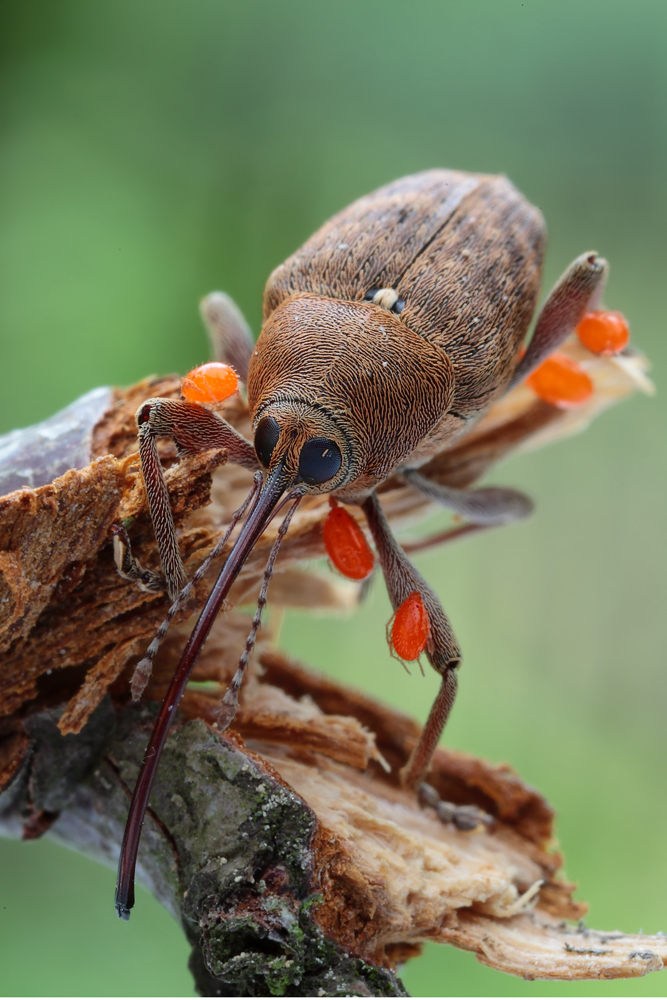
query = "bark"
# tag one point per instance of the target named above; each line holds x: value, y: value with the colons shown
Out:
x: 286, y: 848
x: 222, y: 825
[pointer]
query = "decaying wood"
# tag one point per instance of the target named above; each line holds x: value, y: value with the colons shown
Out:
x: 295, y: 862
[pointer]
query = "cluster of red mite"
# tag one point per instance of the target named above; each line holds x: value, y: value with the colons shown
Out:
x: 559, y: 381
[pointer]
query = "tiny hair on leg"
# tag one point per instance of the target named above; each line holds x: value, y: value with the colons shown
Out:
x: 129, y: 567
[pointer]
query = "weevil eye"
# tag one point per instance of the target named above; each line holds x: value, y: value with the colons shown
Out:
x: 266, y: 438
x: 320, y: 460
x: 386, y: 298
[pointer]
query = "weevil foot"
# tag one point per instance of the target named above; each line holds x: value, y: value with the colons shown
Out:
x: 128, y: 565
x: 465, y: 818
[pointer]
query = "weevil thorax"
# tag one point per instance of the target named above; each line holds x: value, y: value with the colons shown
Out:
x: 350, y: 373
x: 393, y: 327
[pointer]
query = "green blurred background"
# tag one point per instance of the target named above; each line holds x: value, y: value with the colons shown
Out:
x: 153, y: 151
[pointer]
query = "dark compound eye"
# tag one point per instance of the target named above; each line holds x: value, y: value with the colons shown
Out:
x: 320, y: 460
x: 266, y: 438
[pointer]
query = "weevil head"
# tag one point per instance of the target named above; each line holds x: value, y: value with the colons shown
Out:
x: 340, y: 392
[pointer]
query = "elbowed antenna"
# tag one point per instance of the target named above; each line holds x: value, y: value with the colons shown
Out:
x: 260, y: 515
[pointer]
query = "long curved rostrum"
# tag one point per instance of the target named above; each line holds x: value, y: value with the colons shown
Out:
x: 274, y: 487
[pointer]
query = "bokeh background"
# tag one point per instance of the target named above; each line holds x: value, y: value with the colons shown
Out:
x: 153, y: 150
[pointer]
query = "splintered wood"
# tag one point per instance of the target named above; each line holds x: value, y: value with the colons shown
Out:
x: 390, y: 872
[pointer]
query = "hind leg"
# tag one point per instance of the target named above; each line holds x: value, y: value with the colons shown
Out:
x: 488, y: 505
x: 576, y: 292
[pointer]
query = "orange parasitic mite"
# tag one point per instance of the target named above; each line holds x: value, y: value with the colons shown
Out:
x: 346, y: 544
x: 411, y: 629
x: 561, y: 382
x: 604, y: 332
x: 210, y: 383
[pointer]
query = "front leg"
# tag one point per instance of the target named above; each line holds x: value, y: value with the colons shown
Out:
x: 193, y: 428
x: 443, y: 651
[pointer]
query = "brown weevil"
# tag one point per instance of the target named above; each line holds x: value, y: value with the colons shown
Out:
x: 384, y: 339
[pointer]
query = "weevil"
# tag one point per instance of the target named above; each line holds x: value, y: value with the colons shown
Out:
x: 384, y: 339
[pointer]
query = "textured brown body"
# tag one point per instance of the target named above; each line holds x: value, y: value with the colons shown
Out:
x: 464, y: 253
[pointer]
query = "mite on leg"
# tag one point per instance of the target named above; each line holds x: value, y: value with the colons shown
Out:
x: 441, y: 647
x: 576, y: 292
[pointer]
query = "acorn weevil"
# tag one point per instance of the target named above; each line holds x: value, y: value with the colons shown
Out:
x: 384, y: 339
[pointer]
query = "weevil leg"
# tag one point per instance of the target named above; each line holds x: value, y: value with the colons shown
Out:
x: 444, y: 654
x: 129, y: 567
x: 230, y: 701
x: 463, y: 817
x: 193, y: 428
x: 444, y: 537
x: 485, y: 505
x: 576, y: 292
x: 468, y: 460
x: 144, y: 668
x: 229, y: 335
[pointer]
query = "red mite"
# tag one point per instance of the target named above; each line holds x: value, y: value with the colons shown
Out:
x: 210, y: 383
x: 350, y: 553
x: 411, y: 629
x: 604, y: 332
x: 561, y: 381
x: 346, y: 544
